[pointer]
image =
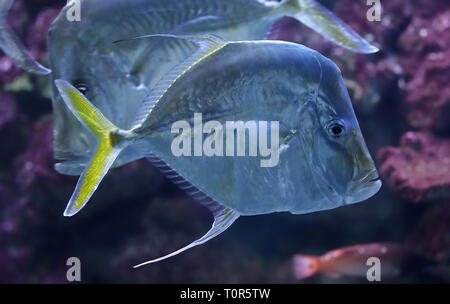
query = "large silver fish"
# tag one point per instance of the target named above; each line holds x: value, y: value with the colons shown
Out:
x: 323, y: 162
x: 116, y: 78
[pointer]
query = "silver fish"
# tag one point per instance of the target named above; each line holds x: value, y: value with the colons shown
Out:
x: 201, y: 17
x: 323, y: 160
x: 117, y: 77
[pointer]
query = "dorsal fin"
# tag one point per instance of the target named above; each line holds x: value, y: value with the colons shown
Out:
x: 223, y: 217
x: 208, y: 44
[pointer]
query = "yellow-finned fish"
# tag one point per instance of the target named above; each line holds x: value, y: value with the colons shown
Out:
x: 319, y: 159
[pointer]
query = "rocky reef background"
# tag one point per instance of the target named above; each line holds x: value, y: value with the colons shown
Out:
x: 402, y: 99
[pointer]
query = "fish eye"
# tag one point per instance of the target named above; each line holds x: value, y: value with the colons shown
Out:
x: 336, y: 128
x: 82, y: 87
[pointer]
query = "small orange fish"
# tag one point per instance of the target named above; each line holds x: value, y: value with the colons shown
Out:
x: 352, y: 261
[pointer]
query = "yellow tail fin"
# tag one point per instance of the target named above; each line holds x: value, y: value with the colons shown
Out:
x: 106, y: 153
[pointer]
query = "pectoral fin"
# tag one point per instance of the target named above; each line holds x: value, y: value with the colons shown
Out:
x: 13, y: 47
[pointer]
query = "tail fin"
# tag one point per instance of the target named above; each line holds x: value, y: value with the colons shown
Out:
x: 13, y: 47
x: 320, y: 19
x: 305, y: 266
x: 109, y: 147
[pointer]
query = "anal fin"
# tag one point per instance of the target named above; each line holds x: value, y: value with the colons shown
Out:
x: 223, y: 217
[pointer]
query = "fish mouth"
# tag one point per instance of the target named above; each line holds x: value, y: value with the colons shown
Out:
x: 375, y: 179
x: 363, y: 187
x: 369, y: 177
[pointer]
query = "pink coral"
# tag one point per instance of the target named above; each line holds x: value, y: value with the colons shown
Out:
x: 8, y: 70
x: 419, y: 168
x: 426, y: 43
x: 37, y: 162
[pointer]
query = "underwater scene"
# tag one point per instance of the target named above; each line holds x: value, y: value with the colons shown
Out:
x: 225, y: 141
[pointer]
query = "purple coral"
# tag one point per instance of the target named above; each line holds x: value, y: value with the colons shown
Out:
x: 37, y: 161
x: 426, y: 44
x: 419, y: 168
x: 8, y: 70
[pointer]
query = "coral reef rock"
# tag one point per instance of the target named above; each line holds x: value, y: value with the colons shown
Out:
x: 419, y: 168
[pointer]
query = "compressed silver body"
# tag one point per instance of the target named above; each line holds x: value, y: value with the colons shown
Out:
x: 267, y: 81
